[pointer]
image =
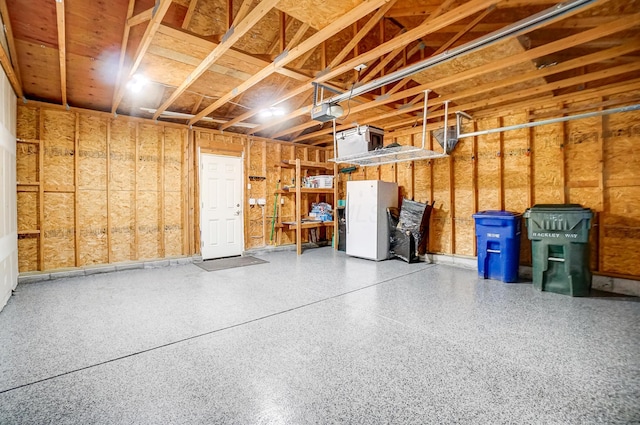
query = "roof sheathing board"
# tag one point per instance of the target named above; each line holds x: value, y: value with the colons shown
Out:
x: 491, y: 54
x: 317, y: 13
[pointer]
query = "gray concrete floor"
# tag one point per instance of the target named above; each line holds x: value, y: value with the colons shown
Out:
x: 315, y: 339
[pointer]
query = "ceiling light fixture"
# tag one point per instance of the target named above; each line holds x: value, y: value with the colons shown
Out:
x: 272, y: 112
x: 137, y: 83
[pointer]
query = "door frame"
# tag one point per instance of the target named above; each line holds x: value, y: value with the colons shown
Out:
x: 200, y: 205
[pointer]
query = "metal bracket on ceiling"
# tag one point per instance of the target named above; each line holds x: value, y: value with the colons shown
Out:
x: 227, y: 35
x: 24, y: 99
x: 281, y: 56
x: 155, y: 8
x: 66, y: 106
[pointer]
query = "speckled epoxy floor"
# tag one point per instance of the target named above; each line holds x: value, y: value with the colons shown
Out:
x: 316, y: 339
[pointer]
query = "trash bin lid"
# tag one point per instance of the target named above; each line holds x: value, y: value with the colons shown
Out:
x: 558, y: 208
x: 497, y: 214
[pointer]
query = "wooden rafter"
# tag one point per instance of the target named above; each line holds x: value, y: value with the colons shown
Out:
x: 13, y: 52
x: 377, y: 17
x: 229, y: 40
x: 342, y: 22
x: 537, y: 92
x: 398, y: 42
x: 465, y: 30
x: 141, y: 17
x: 62, y: 49
x: 123, y: 47
x: 277, y: 41
x: 189, y: 15
x: 571, y: 41
x: 152, y: 27
x: 5, y: 60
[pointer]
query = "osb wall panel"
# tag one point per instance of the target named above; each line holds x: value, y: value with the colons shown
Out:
x: 148, y: 225
x: 27, y: 253
x: 621, y: 218
x: 273, y: 182
x: 92, y: 217
x: 404, y: 171
x: 27, y: 123
x: 440, y: 234
x: 59, y: 147
x: 462, y: 163
x: 122, y: 178
x: 547, y: 154
x: 122, y: 208
x: 27, y: 162
x: 488, y: 163
x: 122, y: 150
x: 257, y: 179
x: 516, y: 157
x: 583, y: 152
x: 114, y: 187
x: 422, y: 181
x: 92, y: 190
x: 59, y: 244
x: 173, y: 205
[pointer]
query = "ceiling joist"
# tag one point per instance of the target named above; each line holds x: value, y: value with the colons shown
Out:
x: 232, y: 36
x: 62, y: 49
x: 345, y: 20
x: 530, y: 55
x: 161, y: 9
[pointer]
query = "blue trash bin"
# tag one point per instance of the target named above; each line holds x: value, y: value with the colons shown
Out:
x: 498, y: 237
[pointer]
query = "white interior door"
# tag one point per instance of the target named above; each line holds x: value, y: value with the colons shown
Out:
x: 221, y: 220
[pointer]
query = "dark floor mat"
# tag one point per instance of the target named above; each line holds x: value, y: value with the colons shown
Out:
x: 229, y: 263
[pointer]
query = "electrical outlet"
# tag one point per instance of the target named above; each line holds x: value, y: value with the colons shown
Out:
x: 282, y: 201
x: 262, y: 201
x: 252, y: 201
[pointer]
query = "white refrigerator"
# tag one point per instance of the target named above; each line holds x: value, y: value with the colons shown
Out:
x: 367, y: 229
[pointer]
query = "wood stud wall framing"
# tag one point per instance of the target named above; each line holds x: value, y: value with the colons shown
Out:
x: 84, y: 188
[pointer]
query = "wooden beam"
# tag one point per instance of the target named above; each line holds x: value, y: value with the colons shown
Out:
x: 76, y: 181
x: 13, y: 52
x: 123, y: 50
x: 337, y: 25
x: 145, y: 42
x: 136, y: 187
x: 5, y: 60
x: 232, y: 36
x: 297, y: 36
x: 465, y: 30
x: 140, y: 17
x: 245, y: 7
x: 375, y: 19
x: 429, y: 27
x: 510, y: 61
x: 189, y: 15
x: 161, y: 194
x: 41, y: 223
x: 62, y: 49
x: 108, y: 170
x: 282, y: 37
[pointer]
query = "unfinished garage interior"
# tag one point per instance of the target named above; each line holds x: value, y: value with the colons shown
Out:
x: 174, y: 211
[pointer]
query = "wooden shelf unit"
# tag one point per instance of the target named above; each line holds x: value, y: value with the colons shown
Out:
x: 302, y: 195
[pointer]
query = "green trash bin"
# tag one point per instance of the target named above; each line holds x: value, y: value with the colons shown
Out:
x: 559, y: 237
